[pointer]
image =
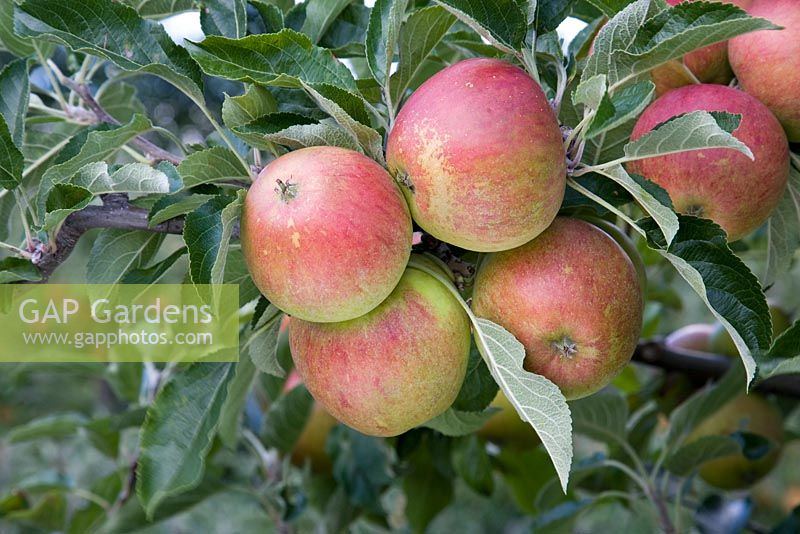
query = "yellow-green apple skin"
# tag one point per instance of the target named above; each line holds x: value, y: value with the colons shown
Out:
x: 724, y: 185
x: 481, y: 156
x: 326, y: 233
x: 767, y: 63
x: 721, y: 341
x: 506, y: 428
x: 392, y: 369
x: 696, y: 337
x: 572, y: 297
x: 746, y: 413
x: 708, y: 64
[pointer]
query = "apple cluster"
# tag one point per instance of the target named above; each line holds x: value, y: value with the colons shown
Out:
x: 475, y: 159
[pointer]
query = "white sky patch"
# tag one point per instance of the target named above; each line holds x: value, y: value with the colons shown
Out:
x: 184, y: 26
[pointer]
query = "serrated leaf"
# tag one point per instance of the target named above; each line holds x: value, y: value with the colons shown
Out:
x: 626, y: 104
x: 591, y: 91
x: 18, y: 270
x: 320, y: 14
x: 231, y: 413
x: 236, y: 272
x: 16, y: 45
x: 601, y: 417
x: 286, y: 417
x: 501, y: 22
x: 262, y: 344
x: 178, y: 432
x: 346, y: 35
x: 271, y: 15
x: 382, y: 33
x: 454, y: 422
x: 295, y: 131
x: 131, y: 178
x: 14, y: 91
x: 549, y: 14
x: 658, y: 206
x: 472, y: 464
x: 731, y: 292
x: 783, y: 356
x: 120, y: 100
x: 783, y: 231
x: 367, y: 138
x: 207, y: 234
x: 115, y: 32
x: 174, y: 205
x: 115, y: 252
x: 157, y: 9
x: 610, y: 7
x: 479, y: 388
x: 63, y: 200
x: 643, y: 37
x: 216, y: 164
x: 282, y: 59
x: 697, y: 130
x: 48, y: 427
x: 11, y: 159
x: 420, y: 34
x: 255, y: 103
x: 154, y: 273
x: 224, y: 17
x: 692, y: 455
x: 537, y: 400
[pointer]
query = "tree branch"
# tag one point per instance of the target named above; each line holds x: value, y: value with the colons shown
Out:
x: 150, y: 149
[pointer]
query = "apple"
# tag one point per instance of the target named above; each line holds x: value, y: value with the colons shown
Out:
x: 479, y: 155
x: 572, y: 297
x: 392, y: 369
x: 721, y: 341
x: 720, y: 184
x: 767, y: 63
x: 695, y: 337
x: 708, y: 64
x: 326, y: 234
x: 507, y: 428
x: 746, y: 413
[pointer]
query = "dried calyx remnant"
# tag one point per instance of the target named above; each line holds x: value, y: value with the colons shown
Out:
x: 405, y: 180
x: 287, y: 190
x: 565, y: 347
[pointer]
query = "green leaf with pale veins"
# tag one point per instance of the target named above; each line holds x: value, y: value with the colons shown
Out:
x: 224, y: 17
x: 120, y: 100
x: 18, y: 270
x: 286, y: 418
x: 294, y: 131
x: 157, y: 9
x: 112, y: 31
x: 420, y: 34
x: 131, y: 178
x: 382, y: 33
x: 11, y: 159
x: 783, y: 231
x: 154, y: 273
x: 117, y: 251
x: 282, y: 59
x: 601, y: 416
x: 501, y: 22
x: 179, y: 431
x: 174, y: 205
x: 625, y: 106
x: 320, y: 14
x: 262, y: 344
x: 231, y: 414
x: 700, y: 254
x: 62, y: 200
x: 207, y: 234
x: 14, y: 91
x: 459, y: 423
x: 217, y: 164
x: 255, y: 103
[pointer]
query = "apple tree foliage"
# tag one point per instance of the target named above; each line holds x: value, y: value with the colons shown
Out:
x: 81, y: 154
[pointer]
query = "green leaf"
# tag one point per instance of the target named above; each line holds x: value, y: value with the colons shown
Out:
x: 783, y: 356
x: 217, y: 164
x: 697, y: 130
x: 157, y: 9
x: 609, y: 7
x: 454, y: 422
x: 236, y: 272
x: 590, y: 92
x: 255, y: 103
x: 472, y: 464
x: 655, y: 202
x: 692, y: 455
x: 18, y: 270
x: 601, y: 417
x: 13, y: 43
x: 154, y: 273
x: 346, y: 35
x: 137, y: 45
x: 479, y: 388
x: 427, y: 489
x: 382, y: 33
x: 271, y: 15
x: 48, y: 427
x: 115, y: 252
x: 361, y: 465
x: 49, y: 514
x: 286, y: 418
x: 224, y: 17
x: 282, y: 59
x: 367, y: 138
x: 731, y: 292
x: 14, y: 91
x: 537, y: 400
x: 63, y: 200
x: 294, y: 131
x: 11, y: 159
x: 231, y: 413
x: 501, y: 22
x: 783, y: 231
x: 320, y: 14
x: 97, y: 145
x: 131, y: 178
x: 207, y: 235
x: 174, y: 205
x: 626, y: 105
x: 641, y: 38
x: 120, y: 100
x: 550, y: 13
x: 702, y: 405
x: 263, y: 343
x: 420, y: 34
x: 178, y: 432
